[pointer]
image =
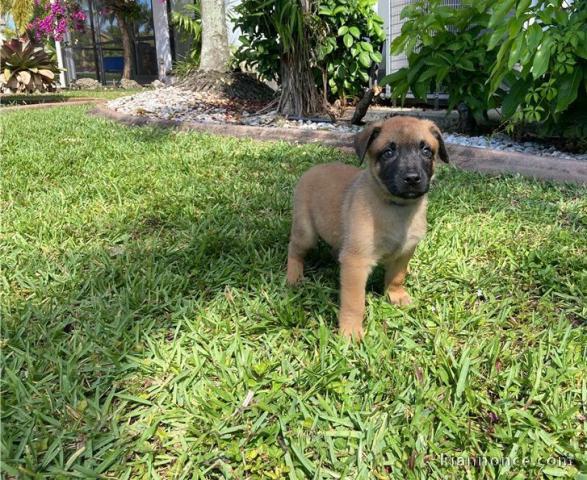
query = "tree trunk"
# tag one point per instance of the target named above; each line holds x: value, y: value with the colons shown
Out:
x: 467, y: 123
x: 215, y: 52
x: 363, y: 105
x: 299, y: 95
x: 126, y: 45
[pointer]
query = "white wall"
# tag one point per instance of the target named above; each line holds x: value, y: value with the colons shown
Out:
x: 232, y: 36
x: 162, y: 43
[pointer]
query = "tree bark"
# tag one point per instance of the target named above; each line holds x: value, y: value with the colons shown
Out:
x: 299, y: 95
x: 126, y: 45
x: 363, y: 105
x: 215, y: 52
x: 467, y: 123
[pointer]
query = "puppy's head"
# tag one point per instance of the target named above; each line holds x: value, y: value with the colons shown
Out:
x: 401, y: 153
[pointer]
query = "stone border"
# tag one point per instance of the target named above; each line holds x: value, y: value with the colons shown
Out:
x: 468, y: 158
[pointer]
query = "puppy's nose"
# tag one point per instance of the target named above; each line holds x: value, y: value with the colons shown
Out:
x: 412, y: 178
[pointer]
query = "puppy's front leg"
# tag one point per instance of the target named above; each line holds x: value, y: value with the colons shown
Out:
x: 395, y: 274
x: 354, y: 271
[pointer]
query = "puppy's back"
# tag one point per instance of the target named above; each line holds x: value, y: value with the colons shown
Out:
x: 319, y: 198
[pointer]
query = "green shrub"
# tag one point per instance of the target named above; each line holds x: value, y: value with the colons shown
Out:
x: 530, y: 60
x: 259, y: 48
x: 189, y: 26
x: 26, y: 67
x: 447, y: 51
x: 350, y: 42
x: 346, y: 37
x: 542, y: 56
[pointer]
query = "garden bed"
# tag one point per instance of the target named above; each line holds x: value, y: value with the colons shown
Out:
x: 178, y: 104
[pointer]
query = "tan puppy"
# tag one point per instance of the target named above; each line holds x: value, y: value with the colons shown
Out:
x: 371, y: 216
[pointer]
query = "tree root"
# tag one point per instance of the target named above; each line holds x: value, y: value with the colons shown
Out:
x: 231, y: 85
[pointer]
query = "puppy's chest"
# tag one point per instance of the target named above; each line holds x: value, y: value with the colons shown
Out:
x: 399, y: 237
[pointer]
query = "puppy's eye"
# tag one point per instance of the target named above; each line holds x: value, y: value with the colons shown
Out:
x: 426, y: 150
x: 389, y: 152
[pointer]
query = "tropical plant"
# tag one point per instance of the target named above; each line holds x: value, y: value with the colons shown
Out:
x: 26, y: 67
x: 343, y: 39
x: 299, y: 95
x: 21, y: 12
x: 350, y: 39
x: 189, y: 25
x: 447, y: 51
x: 542, y: 57
x: 5, y: 6
x: 258, y: 48
x: 44, y: 19
x: 282, y: 30
x: 124, y: 11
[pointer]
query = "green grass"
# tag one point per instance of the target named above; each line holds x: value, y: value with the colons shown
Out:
x: 143, y: 301
x: 63, y: 96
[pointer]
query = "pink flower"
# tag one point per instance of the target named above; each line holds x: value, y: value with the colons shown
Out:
x: 60, y: 16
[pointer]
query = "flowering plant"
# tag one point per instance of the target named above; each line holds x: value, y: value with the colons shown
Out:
x: 54, y: 18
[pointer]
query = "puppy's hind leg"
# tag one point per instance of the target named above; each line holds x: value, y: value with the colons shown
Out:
x: 302, y: 238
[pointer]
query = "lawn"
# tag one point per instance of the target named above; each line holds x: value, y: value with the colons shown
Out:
x: 64, y: 96
x: 147, y: 331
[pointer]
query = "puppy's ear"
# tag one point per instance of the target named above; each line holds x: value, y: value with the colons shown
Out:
x: 442, y: 153
x: 365, y: 137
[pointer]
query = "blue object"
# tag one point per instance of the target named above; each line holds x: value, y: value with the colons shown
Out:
x: 113, y: 64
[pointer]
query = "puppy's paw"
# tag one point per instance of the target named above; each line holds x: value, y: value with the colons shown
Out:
x: 352, y: 332
x: 399, y: 297
x: 294, y: 280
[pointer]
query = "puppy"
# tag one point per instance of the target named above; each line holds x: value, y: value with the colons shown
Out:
x: 370, y: 216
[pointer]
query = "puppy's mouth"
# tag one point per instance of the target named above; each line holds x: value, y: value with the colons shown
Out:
x: 410, y: 194
x: 407, y: 193
x: 400, y: 189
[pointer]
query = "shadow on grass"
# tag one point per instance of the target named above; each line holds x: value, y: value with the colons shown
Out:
x: 218, y: 266
x: 15, y: 100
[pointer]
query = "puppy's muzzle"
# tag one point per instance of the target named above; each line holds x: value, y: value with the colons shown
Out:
x: 412, y: 179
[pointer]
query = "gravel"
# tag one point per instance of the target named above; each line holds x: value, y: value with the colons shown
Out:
x: 500, y: 141
x: 174, y: 103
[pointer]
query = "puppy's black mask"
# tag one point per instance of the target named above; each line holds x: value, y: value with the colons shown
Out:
x: 406, y: 170
x: 404, y: 154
